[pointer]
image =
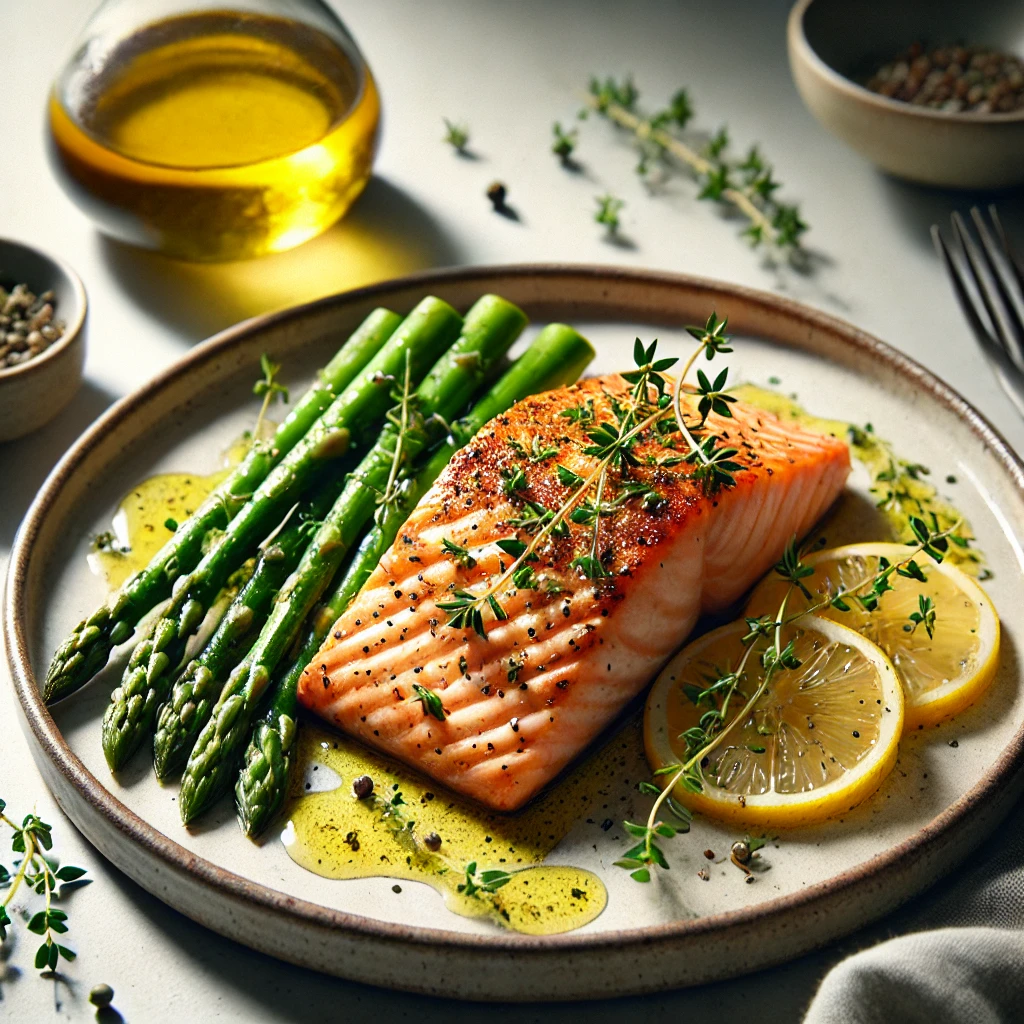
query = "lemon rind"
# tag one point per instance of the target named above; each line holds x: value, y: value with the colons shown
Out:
x: 959, y: 694
x: 788, y: 810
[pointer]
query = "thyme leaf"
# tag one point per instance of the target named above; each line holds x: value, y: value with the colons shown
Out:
x: 459, y: 554
x: 44, y: 876
x: 457, y: 136
x: 431, y: 702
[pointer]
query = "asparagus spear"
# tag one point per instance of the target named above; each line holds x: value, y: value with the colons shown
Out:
x: 557, y: 356
x: 86, y: 650
x: 491, y: 327
x: 195, y: 688
x: 353, y: 415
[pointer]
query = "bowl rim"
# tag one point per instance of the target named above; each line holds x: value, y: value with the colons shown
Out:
x: 800, y: 45
x: 73, y: 326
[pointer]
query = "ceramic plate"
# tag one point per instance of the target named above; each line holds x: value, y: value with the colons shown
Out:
x: 942, y: 800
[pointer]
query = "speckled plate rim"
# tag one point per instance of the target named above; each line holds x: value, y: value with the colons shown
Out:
x: 531, y: 968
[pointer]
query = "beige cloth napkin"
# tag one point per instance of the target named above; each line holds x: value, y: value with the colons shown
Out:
x: 962, y: 960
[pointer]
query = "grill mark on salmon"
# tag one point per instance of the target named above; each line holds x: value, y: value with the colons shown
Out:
x: 521, y: 703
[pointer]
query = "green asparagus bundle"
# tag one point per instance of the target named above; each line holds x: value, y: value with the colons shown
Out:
x: 354, y: 416
x: 195, y: 689
x: 88, y: 647
x: 557, y: 356
x: 491, y: 327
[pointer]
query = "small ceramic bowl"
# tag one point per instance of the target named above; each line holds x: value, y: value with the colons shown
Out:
x: 835, y: 44
x: 33, y: 392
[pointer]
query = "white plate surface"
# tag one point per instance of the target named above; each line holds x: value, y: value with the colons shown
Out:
x: 822, y: 882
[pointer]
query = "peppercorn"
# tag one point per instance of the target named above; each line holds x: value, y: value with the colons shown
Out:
x: 101, y: 996
x: 497, y: 193
x: 432, y: 841
x: 971, y: 80
x: 363, y: 787
x: 741, y: 852
x: 27, y: 326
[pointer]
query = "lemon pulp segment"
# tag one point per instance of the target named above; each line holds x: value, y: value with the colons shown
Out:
x: 819, y: 740
x: 941, y: 674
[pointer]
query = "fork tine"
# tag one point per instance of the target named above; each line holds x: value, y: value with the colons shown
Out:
x: 1006, y: 373
x: 963, y: 297
x: 1000, y: 332
x: 996, y: 262
x: 1011, y: 254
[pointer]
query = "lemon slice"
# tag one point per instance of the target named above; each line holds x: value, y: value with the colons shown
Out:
x: 819, y: 741
x: 942, y: 674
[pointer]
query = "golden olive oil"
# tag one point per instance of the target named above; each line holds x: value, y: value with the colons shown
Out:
x: 218, y: 136
x: 146, y: 517
x: 333, y: 833
x: 145, y: 521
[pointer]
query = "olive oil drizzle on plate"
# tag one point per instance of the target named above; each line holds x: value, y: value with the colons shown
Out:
x: 898, y: 486
x: 142, y: 522
x: 333, y: 833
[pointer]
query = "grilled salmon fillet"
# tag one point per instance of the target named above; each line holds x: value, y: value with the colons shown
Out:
x: 516, y: 706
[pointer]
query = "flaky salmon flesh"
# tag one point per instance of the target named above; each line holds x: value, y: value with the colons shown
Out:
x: 516, y: 706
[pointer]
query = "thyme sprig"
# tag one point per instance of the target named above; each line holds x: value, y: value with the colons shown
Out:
x: 564, y: 144
x: 649, y: 411
x: 269, y: 387
x: 407, y: 421
x: 401, y: 419
x: 456, y: 135
x: 747, y: 186
x: 32, y: 839
x: 715, y: 723
x: 607, y: 212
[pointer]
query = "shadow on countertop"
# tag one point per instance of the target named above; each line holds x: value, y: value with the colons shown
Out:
x: 917, y: 207
x: 386, y: 234
x: 26, y: 461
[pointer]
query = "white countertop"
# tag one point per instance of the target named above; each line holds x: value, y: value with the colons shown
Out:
x: 509, y: 70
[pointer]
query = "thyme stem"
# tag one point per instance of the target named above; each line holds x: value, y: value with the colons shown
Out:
x: 643, y: 130
x: 26, y: 860
x: 666, y: 791
x: 677, y: 408
x: 390, y: 492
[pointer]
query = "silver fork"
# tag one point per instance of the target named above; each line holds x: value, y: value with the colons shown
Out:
x: 988, y: 281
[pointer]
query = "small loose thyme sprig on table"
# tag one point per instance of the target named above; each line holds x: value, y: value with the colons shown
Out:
x: 457, y: 136
x: 32, y: 840
x: 748, y: 186
x: 716, y: 724
x: 607, y: 212
x: 650, y: 412
x: 564, y: 144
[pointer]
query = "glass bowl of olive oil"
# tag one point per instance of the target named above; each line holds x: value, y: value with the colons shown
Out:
x: 214, y: 130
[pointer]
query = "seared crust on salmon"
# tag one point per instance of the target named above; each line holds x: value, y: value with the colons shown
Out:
x: 518, y: 705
